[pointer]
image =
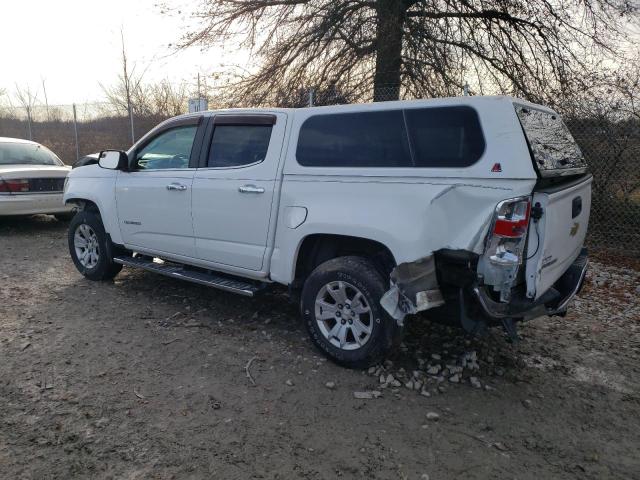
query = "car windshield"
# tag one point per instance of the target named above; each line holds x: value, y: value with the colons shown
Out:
x: 27, y: 154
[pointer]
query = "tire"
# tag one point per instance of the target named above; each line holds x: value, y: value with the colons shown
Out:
x: 98, y: 265
x: 343, y: 338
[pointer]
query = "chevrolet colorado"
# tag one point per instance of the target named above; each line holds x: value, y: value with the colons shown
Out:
x: 474, y: 208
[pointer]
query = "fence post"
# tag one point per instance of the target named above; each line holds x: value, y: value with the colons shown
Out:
x: 133, y: 138
x: 311, y: 97
x: 75, y: 131
x: 29, y: 122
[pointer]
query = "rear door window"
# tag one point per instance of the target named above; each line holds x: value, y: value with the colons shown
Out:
x: 445, y: 136
x: 363, y: 139
x: 238, y: 145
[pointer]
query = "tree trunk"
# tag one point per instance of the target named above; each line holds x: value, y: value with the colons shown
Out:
x: 390, y: 26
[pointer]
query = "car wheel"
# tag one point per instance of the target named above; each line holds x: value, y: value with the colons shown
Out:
x: 341, y: 309
x: 90, y: 247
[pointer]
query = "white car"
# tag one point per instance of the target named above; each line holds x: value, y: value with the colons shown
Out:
x: 31, y: 179
x: 474, y: 208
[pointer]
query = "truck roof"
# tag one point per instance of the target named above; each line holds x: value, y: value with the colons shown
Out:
x: 387, y: 105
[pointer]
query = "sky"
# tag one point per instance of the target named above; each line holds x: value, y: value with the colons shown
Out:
x: 74, y: 45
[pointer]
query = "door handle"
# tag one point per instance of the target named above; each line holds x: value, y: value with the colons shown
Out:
x: 250, y: 189
x: 176, y: 186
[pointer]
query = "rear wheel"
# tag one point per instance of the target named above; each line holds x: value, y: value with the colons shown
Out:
x: 341, y: 309
x: 90, y: 247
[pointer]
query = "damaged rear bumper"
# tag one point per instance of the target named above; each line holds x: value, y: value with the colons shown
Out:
x: 553, y: 302
x: 415, y: 287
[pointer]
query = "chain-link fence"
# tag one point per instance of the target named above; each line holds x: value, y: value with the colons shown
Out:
x: 73, y: 131
x: 611, y: 145
x: 612, y: 150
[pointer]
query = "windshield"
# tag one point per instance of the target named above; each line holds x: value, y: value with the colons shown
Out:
x: 27, y: 154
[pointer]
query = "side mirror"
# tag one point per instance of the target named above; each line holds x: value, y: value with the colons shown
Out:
x: 113, y: 160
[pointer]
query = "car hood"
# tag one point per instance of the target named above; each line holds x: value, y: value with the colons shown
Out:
x: 33, y: 171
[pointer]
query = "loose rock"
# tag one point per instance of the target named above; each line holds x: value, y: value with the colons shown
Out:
x: 367, y: 395
x: 433, y: 370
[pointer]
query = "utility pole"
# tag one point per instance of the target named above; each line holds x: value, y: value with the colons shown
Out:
x: 46, y: 101
x: 75, y: 131
x: 127, y: 87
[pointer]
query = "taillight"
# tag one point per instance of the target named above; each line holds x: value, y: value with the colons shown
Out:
x: 14, y: 185
x: 506, y: 241
x: 512, y: 218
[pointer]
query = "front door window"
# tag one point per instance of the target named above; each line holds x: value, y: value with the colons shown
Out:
x: 170, y: 149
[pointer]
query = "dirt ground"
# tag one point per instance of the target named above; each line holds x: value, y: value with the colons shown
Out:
x: 145, y: 377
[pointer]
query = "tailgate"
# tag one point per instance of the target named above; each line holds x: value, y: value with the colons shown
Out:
x: 556, y: 239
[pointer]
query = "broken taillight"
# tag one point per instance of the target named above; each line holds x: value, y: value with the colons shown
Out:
x: 512, y: 218
x: 505, y: 245
x: 14, y: 185
x: 507, y: 239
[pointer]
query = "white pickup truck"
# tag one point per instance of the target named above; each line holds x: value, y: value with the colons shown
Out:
x: 474, y: 208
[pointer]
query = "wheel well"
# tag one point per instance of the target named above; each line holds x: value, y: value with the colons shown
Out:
x: 85, y: 204
x: 319, y: 248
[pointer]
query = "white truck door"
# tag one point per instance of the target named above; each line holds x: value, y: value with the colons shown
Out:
x: 233, y: 189
x: 154, y: 198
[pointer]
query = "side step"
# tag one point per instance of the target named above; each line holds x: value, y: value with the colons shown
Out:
x: 210, y: 279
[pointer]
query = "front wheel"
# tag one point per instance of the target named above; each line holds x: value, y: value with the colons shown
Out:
x: 342, y: 312
x: 89, y: 247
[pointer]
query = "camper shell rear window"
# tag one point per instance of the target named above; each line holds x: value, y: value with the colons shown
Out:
x: 553, y: 148
x: 419, y: 137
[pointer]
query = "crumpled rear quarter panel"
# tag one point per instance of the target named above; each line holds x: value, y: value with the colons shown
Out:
x: 412, y: 217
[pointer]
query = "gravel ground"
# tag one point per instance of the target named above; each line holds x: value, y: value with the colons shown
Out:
x: 146, y: 377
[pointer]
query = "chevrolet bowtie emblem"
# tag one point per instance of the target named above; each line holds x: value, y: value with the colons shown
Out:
x: 574, y: 229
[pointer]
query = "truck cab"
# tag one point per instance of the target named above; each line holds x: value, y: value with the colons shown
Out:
x: 474, y: 208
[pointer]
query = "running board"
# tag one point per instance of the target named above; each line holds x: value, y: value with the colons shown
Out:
x: 210, y: 279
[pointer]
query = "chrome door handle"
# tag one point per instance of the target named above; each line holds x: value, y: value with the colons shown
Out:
x: 176, y: 186
x: 250, y: 189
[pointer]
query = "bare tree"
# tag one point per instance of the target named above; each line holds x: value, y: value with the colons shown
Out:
x: 126, y: 95
x: 536, y: 48
x: 167, y: 99
x: 5, y: 104
x: 132, y: 96
x: 161, y: 99
x: 27, y: 99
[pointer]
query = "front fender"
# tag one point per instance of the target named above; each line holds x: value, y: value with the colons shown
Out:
x: 97, y: 185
